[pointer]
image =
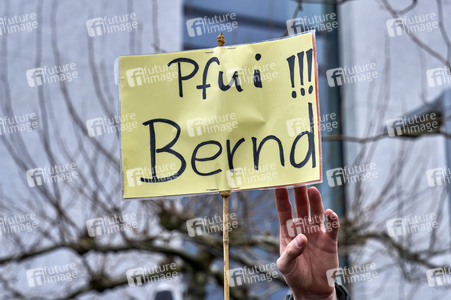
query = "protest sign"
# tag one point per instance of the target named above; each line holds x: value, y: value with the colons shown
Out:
x: 226, y: 118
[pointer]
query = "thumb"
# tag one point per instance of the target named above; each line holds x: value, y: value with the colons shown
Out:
x: 293, y: 250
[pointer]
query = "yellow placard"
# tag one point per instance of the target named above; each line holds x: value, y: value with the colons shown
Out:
x: 226, y: 118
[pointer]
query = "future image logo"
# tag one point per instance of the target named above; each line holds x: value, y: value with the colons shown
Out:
x: 51, y: 74
x: 335, y: 177
x: 137, y: 176
x: 251, y: 275
x: 195, y: 26
x: 412, y: 125
x: 95, y: 27
x: 135, y: 276
x: 297, y: 125
x: 236, y: 277
x: 395, y: 27
x: 214, y: 24
x: 18, y: 223
x: 438, y: 76
x: 210, y: 225
x: 248, y: 175
x: 95, y: 227
x: 309, y: 225
x: 412, y: 24
x: 111, y: 224
x: 35, y: 177
x: 145, y: 75
x: 18, y: 23
x: 46, y: 175
x: 95, y: 126
x: 110, y: 125
x: 351, y: 275
x: 211, y: 124
x: 327, y: 123
x: 397, y: 227
x: 350, y: 75
x: 134, y: 177
x: 51, y: 274
x: 439, y: 277
x: 438, y: 176
x: 145, y: 275
x: 35, y: 277
x: 335, y: 77
x: 18, y: 123
x: 35, y: 77
x: 195, y: 227
x: 110, y: 25
x: 327, y: 22
x: 135, y: 77
x: 353, y: 174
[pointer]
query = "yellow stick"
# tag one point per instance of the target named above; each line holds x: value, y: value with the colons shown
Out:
x: 225, y: 219
x: 225, y: 240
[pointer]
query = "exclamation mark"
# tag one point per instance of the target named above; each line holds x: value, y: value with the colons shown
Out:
x: 290, y: 61
x: 309, y: 63
x: 301, y: 70
x: 291, y: 64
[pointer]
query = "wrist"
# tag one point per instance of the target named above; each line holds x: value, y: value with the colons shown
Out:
x: 331, y: 296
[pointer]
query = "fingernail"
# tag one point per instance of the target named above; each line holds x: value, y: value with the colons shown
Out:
x: 298, y: 241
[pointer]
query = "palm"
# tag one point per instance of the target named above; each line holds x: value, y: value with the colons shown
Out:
x: 305, y: 270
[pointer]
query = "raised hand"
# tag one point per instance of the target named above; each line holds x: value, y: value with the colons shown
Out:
x: 308, y: 247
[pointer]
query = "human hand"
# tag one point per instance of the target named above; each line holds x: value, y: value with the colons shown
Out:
x: 306, y: 257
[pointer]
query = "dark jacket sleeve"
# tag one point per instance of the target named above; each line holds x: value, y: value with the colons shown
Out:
x: 342, y: 293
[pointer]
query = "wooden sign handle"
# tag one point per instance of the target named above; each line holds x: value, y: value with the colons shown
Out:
x: 225, y: 219
x: 225, y: 240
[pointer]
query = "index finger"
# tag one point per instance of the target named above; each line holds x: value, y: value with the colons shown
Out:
x: 284, y: 213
